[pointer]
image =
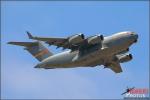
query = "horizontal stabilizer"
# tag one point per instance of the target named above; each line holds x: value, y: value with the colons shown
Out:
x: 37, y: 49
x: 26, y: 44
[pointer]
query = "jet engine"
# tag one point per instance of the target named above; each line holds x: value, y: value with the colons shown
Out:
x: 76, y: 38
x: 125, y: 58
x: 95, y: 39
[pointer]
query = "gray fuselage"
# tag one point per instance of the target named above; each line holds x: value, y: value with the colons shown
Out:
x: 92, y: 56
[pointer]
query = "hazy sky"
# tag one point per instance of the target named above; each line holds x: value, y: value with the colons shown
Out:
x: 61, y: 19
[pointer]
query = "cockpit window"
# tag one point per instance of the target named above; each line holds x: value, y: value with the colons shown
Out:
x: 132, y: 33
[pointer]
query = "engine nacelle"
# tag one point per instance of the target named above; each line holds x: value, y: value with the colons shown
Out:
x: 125, y: 58
x: 95, y: 39
x: 76, y: 38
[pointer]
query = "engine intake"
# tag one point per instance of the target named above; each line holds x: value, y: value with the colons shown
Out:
x: 76, y: 38
x: 125, y: 58
x: 95, y: 39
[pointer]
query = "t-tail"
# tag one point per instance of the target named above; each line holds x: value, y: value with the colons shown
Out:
x: 37, y: 49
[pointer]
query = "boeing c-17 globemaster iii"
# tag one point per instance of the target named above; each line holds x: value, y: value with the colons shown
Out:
x: 90, y: 51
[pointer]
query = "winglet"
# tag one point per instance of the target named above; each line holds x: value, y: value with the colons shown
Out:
x: 29, y: 35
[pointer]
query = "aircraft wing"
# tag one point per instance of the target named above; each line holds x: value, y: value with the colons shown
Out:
x: 115, y: 66
x: 53, y: 41
x: 72, y: 42
x: 59, y: 42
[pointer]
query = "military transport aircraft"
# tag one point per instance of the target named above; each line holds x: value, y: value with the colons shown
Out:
x: 84, y: 51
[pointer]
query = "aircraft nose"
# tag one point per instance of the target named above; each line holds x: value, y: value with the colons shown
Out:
x: 134, y: 34
x: 135, y: 37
